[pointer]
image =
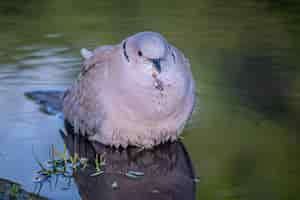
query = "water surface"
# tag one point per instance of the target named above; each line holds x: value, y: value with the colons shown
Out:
x: 243, y: 138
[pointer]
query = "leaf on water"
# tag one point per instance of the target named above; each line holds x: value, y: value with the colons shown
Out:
x: 134, y: 174
x: 97, y: 173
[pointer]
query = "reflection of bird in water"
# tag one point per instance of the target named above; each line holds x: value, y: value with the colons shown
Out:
x: 167, y: 169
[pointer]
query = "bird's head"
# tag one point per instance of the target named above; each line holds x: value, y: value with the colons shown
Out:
x: 149, y: 54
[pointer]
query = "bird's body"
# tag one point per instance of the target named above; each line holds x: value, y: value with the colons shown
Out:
x: 140, y: 92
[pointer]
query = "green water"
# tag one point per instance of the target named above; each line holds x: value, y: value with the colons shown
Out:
x: 243, y: 138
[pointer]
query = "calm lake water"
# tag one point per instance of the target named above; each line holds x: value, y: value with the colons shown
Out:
x: 243, y: 139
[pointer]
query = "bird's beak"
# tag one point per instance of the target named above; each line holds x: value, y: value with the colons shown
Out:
x: 156, y: 64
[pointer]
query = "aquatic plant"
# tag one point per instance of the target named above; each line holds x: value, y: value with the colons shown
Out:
x: 14, y: 190
x: 61, y: 163
x: 99, y: 163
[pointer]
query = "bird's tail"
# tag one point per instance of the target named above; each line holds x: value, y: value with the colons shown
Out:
x: 50, y: 101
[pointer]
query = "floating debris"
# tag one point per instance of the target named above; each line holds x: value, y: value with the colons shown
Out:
x: 134, y: 174
x: 115, y: 185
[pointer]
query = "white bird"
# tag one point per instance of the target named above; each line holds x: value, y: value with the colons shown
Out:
x: 140, y: 92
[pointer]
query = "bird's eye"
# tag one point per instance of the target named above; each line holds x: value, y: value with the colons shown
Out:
x: 140, y: 53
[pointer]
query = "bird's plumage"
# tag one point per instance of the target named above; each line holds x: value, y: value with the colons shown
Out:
x: 121, y: 99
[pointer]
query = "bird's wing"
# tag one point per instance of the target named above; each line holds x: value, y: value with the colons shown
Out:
x: 100, y: 54
x: 82, y: 104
